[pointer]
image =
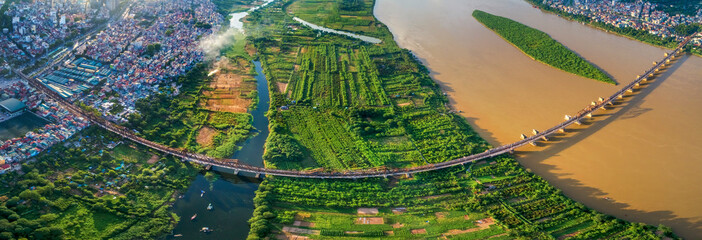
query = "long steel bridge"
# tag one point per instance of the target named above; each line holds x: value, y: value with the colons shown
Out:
x: 236, y: 166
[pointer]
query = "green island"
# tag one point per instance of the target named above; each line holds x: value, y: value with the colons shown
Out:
x: 338, y: 103
x: 540, y: 46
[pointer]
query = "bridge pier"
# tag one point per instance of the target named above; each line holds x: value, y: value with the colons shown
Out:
x: 258, y: 175
x: 589, y: 115
x: 208, y: 167
x: 563, y: 130
x: 532, y: 143
x: 578, y: 122
x: 236, y: 172
x: 544, y: 138
x: 534, y: 131
x: 523, y: 136
x: 408, y: 175
x: 630, y: 90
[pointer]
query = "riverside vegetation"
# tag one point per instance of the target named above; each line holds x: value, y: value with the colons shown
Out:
x: 540, y: 46
x: 92, y: 187
x: 181, y: 120
x: 339, y: 103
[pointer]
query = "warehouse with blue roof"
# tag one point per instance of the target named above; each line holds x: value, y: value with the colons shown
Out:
x: 12, y: 105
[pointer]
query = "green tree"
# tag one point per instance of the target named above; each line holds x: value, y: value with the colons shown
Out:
x: 29, y: 195
x: 7, y: 235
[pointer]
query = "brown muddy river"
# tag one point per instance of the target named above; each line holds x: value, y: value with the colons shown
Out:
x: 640, y: 161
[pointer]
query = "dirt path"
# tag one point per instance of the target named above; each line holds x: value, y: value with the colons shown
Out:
x: 205, y: 136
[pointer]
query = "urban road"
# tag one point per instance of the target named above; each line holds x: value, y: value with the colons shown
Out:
x: 233, y: 164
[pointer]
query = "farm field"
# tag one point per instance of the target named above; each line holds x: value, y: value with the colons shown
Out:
x: 350, y: 105
x: 190, y: 121
x: 494, y: 198
x: 351, y: 16
x: 232, y: 89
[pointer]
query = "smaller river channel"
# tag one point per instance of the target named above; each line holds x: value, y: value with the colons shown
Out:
x: 329, y: 30
x: 231, y: 195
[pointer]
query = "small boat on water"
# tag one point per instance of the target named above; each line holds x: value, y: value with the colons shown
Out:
x: 193, y: 217
x: 202, y: 193
x: 178, y: 235
x: 209, y: 207
x: 205, y: 230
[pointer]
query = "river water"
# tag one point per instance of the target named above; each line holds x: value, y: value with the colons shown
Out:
x: 329, y: 30
x: 639, y: 161
x: 231, y: 195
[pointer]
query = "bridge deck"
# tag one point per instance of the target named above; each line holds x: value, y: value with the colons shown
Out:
x: 351, y: 174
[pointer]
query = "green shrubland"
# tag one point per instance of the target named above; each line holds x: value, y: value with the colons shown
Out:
x: 540, y: 46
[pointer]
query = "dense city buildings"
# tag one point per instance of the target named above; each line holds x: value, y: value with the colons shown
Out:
x: 639, y: 15
x: 137, y: 55
x: 36, y: 27
x: 61, y: 126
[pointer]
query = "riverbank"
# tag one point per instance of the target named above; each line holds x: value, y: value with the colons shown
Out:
x: 609, y: 158
x: 413, y: 127
x: 648, y: 38
x: 230, y: 195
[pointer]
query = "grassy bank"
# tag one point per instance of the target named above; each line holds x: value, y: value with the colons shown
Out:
x: 179, y: 120
x: 458, y: 203
x: 540, y: 46
x: 346, y: 104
